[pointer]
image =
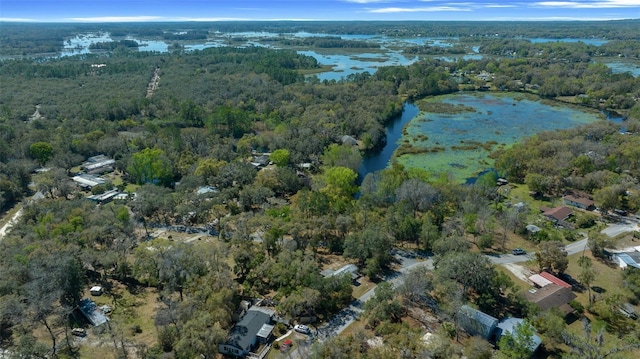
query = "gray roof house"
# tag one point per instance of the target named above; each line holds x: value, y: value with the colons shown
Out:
x: 351, y: 269
x: 476, y: 322
x: 254, y: 328
x: 98, y: 164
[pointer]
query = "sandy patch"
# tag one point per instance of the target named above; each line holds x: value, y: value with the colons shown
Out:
x: 11, y: 222
x: 519, y: 271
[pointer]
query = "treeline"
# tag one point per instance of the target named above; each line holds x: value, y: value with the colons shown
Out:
x: 112, y: 45
x: 328, y: 43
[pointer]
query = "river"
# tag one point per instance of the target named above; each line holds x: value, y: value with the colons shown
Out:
x: 380, y: 160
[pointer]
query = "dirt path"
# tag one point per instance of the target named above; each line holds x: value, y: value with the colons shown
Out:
x: 153, y: 84
x: 10, y: 223
x: 519, y: 271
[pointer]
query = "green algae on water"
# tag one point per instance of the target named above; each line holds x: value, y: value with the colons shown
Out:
x: 456, y: 133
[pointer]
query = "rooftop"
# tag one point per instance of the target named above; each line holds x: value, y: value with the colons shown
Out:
x: 553, y: 279
x: 583, y: 200
x: 551, y: 296
x: 92, y: 312
x: 558, y: 213
x: 243, y: 333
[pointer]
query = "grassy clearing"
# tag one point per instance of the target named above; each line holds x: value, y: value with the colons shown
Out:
x: 518, y: 283
x: 132, y: 317
x: 365, y: 286
x: 608, y: 278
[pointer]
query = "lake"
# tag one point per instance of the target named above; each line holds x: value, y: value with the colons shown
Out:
x: 342, y: 65
x: 460, y: 142
x: 618, y: 67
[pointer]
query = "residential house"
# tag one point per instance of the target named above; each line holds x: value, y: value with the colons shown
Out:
x: 627, y: 259
x: 92, y: 312
x: 253, y: 329
x: 88, y: 181
x: 105, y: 197
x: 98, y: 164
x: 555, y: 280
x: 476, y: 322
x: 551, y: 296
x: 348, y: 140
x: 557, y: 214
x: 351, y: 269
x: 583, y: 202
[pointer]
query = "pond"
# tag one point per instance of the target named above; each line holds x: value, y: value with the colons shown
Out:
x: 345, y: 65
x: 455, y: 133
x: 618, y: 67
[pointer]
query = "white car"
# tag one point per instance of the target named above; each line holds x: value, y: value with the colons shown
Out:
x: 302, y: 329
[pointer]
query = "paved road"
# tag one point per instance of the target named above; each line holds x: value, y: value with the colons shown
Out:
x: 572, y: 248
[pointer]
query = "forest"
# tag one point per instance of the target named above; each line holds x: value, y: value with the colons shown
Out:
x: 283, y: 200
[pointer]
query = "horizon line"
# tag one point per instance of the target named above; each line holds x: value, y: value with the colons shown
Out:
x: 150, y: 19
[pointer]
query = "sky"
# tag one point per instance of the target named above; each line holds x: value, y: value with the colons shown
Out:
x: 218, y: 10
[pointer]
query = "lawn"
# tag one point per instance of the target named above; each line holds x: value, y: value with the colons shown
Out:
x: 608, y: 279
x: 132, y: 317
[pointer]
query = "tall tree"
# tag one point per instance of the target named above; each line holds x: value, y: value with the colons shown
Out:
x: 552, y: 256
x: 150, y: 166
x: 41, y: 151
x: 587, y: 274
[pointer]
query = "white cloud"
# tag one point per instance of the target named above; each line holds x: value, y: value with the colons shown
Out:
x: 16, y: 19
x: 116, y: 19
x: 499, y: 5
x: 389, y: 10
x: 589, y: 4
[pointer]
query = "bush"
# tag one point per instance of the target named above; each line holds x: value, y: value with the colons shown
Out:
x: 577, y: 306
x: 136, y: 329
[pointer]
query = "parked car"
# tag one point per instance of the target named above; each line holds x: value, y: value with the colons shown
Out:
x: 79, y: 332
x: 518, y: 252
x: 302, y: 329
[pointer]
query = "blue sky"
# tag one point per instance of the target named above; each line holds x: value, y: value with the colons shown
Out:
x: 212, y: 10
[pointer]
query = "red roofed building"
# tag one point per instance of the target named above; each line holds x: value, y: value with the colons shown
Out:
x: 555, y: 280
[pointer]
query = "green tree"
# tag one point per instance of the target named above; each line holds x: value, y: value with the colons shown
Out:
x: 340, y: 155
x: 41, y: 151
x: 150, y: 166
x: 280, y: 157
x: 587, y: 274
x: 383, y: 306
x: 340, y: 186
x: 519, y: 343
x: 470, y: 270
x: 552, y: 256
x: 597, y: 243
